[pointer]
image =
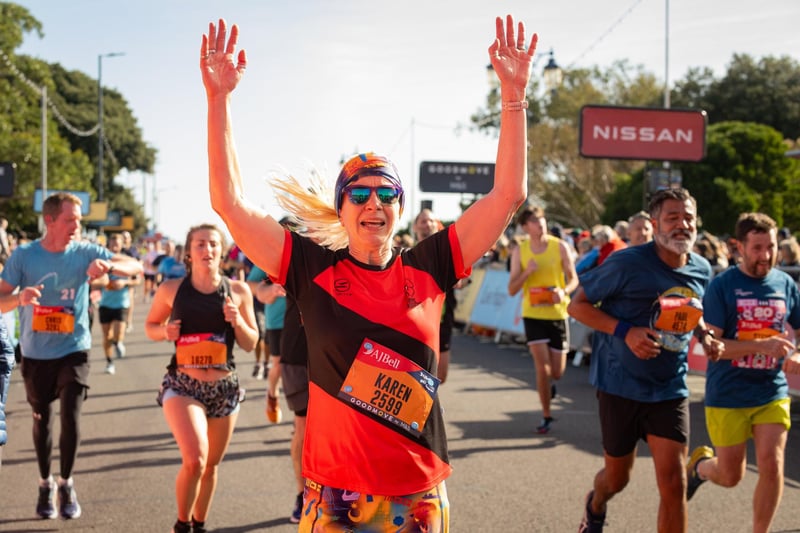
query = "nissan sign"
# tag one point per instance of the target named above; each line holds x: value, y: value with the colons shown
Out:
x: 643, y: 133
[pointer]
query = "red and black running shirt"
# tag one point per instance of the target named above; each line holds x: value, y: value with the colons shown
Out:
x: 397, y: 307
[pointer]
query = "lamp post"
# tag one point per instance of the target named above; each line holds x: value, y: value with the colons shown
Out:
x: 552, y: 74
x: 100, y: 136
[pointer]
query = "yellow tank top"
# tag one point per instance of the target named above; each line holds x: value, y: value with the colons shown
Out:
x: 538, y: 288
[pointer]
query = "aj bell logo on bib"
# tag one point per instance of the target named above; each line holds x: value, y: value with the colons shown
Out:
x: 388, y: 386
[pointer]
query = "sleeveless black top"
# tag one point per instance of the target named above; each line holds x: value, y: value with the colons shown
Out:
x: 202, y: 313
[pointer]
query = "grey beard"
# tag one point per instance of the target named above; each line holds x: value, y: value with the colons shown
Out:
x: 674, y: 245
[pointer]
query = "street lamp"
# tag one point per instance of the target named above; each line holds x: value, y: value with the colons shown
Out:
x: 100, y: 136
x: 553, y: 75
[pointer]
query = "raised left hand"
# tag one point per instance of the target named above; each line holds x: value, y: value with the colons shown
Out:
x: 511, y: 58
x: 220, y: 74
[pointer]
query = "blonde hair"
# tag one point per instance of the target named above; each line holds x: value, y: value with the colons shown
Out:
x: 312, y: 205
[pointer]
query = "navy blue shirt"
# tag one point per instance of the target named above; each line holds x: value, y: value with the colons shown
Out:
x: 636, y: 286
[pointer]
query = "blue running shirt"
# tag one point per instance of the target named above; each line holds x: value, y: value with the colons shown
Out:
x: 745, y: 307
x: 636, y: 286
x: 65, y: 293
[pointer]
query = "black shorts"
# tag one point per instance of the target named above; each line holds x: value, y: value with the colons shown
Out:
x: 295, y: 387
x: 552, y: 332
x: 149, y: 277
x: 274, y: 341
x: 108, y: 315
x: 623, y: 422
x: 260, y: 323
x: 46, y: 378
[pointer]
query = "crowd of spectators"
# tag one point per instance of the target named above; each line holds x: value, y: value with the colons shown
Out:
x: 592, y: 246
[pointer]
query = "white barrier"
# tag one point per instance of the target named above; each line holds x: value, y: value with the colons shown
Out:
x: 494, y: 308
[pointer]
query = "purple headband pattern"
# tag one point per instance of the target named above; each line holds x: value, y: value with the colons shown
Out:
x: 367, y: 164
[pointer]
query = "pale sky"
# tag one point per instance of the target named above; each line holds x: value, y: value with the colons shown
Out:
x: 328, y: 78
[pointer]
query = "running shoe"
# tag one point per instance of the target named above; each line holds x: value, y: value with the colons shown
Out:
x: 699, y: 455
x: 182, y: 527
x: 68, y: 506
x: 110, y: 368
x: 119, y: 349
x: 544, y: 427
x: 591, y: 523
x: 297, y: 512
x: 45, y: 506
x: 274, y: 414
x: 198, y: 527
x: 256, y: 370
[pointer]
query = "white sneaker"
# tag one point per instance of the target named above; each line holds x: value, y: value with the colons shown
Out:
x: 119, y: 349
x: 110, y: 368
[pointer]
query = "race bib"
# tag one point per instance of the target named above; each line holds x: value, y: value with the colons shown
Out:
x: 388, y: 386
x: 202, y: 350
x: 541, y: 296
x: 751, y: 330
x: 678, y: 315
x: 55, y: 319
x: 758, y: 319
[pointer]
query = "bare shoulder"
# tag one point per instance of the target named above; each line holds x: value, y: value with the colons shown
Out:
x: 169, y: 288
x: 240, y: 287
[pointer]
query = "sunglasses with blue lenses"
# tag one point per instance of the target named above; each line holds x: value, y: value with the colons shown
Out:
x: 359, y: 194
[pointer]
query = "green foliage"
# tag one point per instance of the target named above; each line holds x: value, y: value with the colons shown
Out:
x: 15, y: 21
x: 745, y: 169
x: 751, y: 109
x: 766, y: 91
x: 71, y: 158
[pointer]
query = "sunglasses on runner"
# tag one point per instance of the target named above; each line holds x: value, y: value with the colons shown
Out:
x: 359, y: 194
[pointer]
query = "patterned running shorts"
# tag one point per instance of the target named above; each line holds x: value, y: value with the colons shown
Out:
x: 330, y: 510
x: 220, y: 397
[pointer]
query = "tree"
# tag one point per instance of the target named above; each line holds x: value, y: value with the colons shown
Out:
x: 572, y: 188
x: 766, y: 91
x: 72, y: 158
x: 745, y: 169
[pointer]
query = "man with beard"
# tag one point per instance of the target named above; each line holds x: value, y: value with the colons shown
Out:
x: 749, y: 307
x: 644, y: 303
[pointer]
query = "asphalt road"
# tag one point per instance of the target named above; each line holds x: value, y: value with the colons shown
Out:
x: 506, y: 477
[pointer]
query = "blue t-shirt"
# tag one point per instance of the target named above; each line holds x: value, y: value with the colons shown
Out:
x: 275, y: 312
x: 636, y: 286
x: 116, y: 298
x: 171, y: 268
x: 588, y: 261
x: 745, y: 307
x: 63, y: 306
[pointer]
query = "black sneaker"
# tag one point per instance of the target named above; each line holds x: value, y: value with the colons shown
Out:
x: 297, y: 512
x: 544, y: 427
x: 68, y: 506
x: 182, y: 527
x: 198, y: 527
x: 45, y: 506
x: 591, y: 523
x: 694, y: 481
